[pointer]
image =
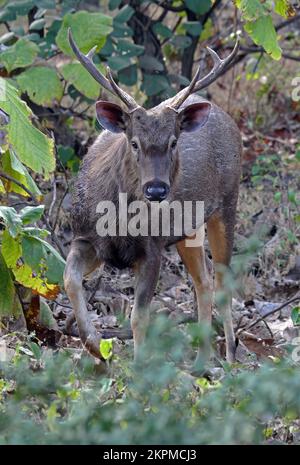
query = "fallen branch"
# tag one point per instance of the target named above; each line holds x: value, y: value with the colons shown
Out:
x: 277, y: 309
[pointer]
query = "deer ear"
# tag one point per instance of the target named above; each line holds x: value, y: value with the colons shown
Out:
x: 111, y: 116
x: 194, y: 116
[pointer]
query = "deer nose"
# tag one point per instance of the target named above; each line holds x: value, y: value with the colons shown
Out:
x: 156, y: 190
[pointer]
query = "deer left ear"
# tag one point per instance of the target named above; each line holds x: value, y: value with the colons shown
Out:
x: 194, y: 116
x: 111, y: 116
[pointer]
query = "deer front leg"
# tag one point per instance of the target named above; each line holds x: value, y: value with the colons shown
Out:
x: 198, y: 266
x: 81, y: 261
x: 146, y: 274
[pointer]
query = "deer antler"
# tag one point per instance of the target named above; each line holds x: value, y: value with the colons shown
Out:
x: 196, y: 85
x: 108, y: 84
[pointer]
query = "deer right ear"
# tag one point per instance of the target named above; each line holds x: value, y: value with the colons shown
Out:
x: 111, y: 116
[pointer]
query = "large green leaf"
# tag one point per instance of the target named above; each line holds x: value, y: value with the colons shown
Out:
x: 19, y: 55
x: 88, y: 29
x: 41, y: 84
x: 263, y: 33
x: 9, y: 301
x: 30, y: 214
x: 77, y: 75
x: 46, y: 260
x: 32, y: 147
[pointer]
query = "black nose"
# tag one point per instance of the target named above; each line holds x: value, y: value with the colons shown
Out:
x: 156, y: 190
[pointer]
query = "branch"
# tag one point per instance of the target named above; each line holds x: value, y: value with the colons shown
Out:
x: 168, y: 7
x: 18, y: 183
x: 277, y: 309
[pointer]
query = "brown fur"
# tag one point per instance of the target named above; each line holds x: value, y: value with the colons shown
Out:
x: 205, y: 166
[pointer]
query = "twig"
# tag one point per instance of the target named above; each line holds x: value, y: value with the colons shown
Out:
x: 285, y: 304
x: 53, y: 198
x: 18, y: 183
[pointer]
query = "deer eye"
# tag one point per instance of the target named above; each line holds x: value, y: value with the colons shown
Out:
x: 134, y: 145
x: 173, y: 144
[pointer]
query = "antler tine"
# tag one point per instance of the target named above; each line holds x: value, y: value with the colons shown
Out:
x: 110, y: 85
x: 183, y: 95
x: 127, y: 99
x: 219, y: 66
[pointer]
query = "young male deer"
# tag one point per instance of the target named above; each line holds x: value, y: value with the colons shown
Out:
x: 184, y: 149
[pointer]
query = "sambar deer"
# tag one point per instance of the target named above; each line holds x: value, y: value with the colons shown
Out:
x: 184, y: 149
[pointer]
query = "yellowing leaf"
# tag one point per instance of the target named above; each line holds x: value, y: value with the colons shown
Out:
x: 32, y: 147
x: 11, y: 249
x: 19, y: 55
x: 106, y: 347
x: 2, y: 189
x: 42, y: 85
x: 13, y: 167
x: 9, y: 300
x: 24, y: 275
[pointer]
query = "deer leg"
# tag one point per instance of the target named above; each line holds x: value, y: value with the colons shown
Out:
x: 199, y: 267
x: 82, y: 261
x: 220, y: 237
x: 146, y: 274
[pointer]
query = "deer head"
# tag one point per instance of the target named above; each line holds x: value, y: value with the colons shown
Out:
x: 152, y: 134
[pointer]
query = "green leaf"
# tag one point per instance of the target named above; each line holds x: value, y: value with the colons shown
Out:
x: 9, y: 300
x: 193, y: 27
x: 118, y: 62
x: 128, y: 76
x: 37, y: 25
x: 32, y: 147
x: 114, y: 4
x: 30, y: 215
x: 19, y: 55
x: 7, y: 37
x: 11, y: 249
x: 33, y: 253
x: 154, y: 84
x: 41, y: 84
x: 263, y: 33
x: 11, y: 220
x: 106, y: 348
x: 77, y: 75
x: 12, y: 166
x: 124, y: 14
x: 149, y: 63
x: 199, y: 7
x: 129, y: 49
x: 181, y: 41
x: 295, y: 315
x: 88, y: 29
x: 251, y: 9
x: 162, y: 30
x: 54, y: 263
